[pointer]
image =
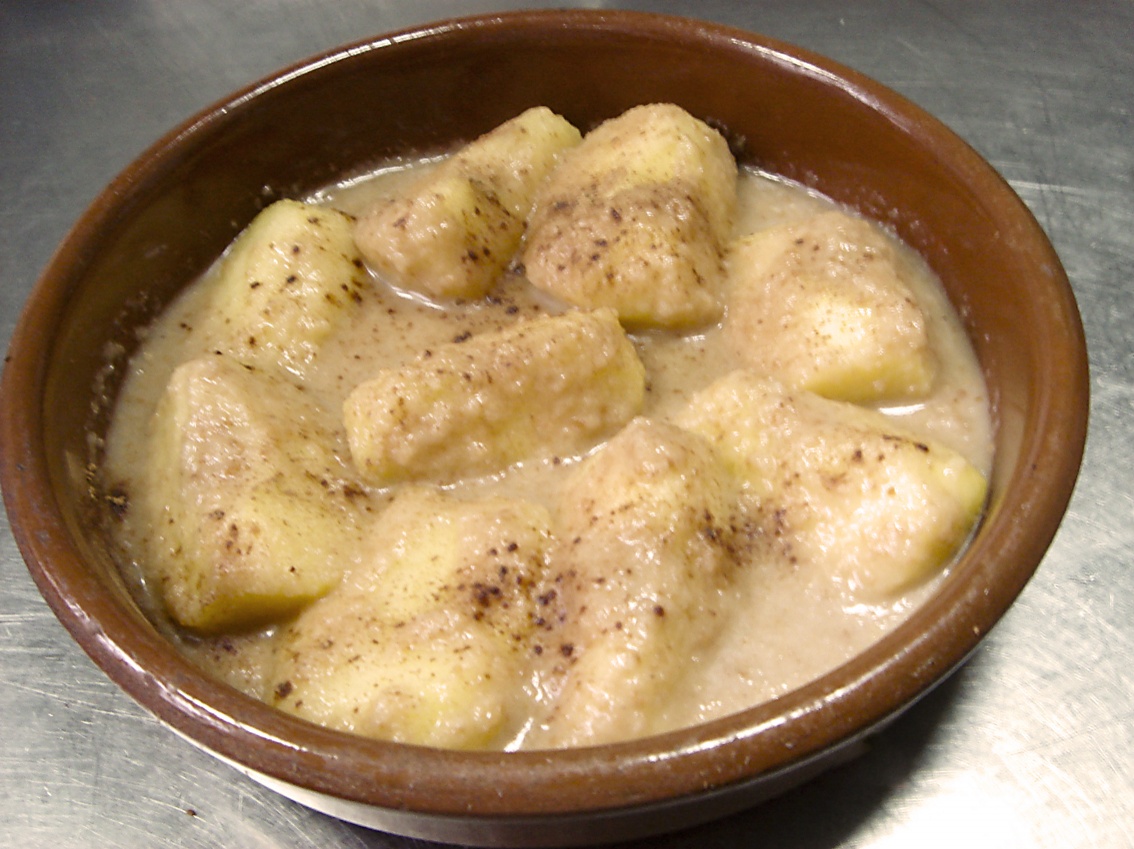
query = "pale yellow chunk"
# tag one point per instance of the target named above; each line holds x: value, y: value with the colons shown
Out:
x: 543, y: 387
x: 251, y: 508
x: 822, y: 305
x: 839, y: 484
x: 451, y: 234
x: 288, y: 281
x: 636, y: 218
x: 640, y: 577
x: 426, y: 642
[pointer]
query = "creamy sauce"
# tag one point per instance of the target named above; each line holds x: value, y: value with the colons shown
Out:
x: 795, y: 628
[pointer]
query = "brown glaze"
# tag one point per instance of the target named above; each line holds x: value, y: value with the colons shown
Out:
x: 171, y: 212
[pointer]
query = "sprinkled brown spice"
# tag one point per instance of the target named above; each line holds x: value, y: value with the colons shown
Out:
x: 118, y: 502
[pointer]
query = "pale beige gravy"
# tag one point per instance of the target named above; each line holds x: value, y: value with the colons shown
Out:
x: 795, y: 627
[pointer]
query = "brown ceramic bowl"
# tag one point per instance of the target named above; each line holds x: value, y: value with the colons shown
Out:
x: 173, y: 211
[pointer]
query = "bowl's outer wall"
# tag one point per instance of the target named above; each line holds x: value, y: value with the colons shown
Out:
x: 166, y: 218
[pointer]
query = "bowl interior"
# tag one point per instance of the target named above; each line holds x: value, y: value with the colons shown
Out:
x: 173, y: 211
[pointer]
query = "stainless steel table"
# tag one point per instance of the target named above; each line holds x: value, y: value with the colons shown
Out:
x: 1030, y: 745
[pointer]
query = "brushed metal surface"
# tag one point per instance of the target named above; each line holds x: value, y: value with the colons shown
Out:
x: 1030, y: 745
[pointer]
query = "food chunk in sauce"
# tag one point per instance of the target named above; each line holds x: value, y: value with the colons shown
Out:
x: 426, y: 640
x: 641, y: 575
x: 452, y: 233
x: 249, y: 505
x: 288, y: 282
x: 544, y: 386
x: 821, y: 305
x: 637, y: 218
x: 839, y: 484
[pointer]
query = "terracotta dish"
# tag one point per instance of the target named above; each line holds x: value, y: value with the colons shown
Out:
x: 165, y: 218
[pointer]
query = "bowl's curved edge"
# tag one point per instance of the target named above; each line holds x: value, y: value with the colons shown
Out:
x: 581, y: 828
